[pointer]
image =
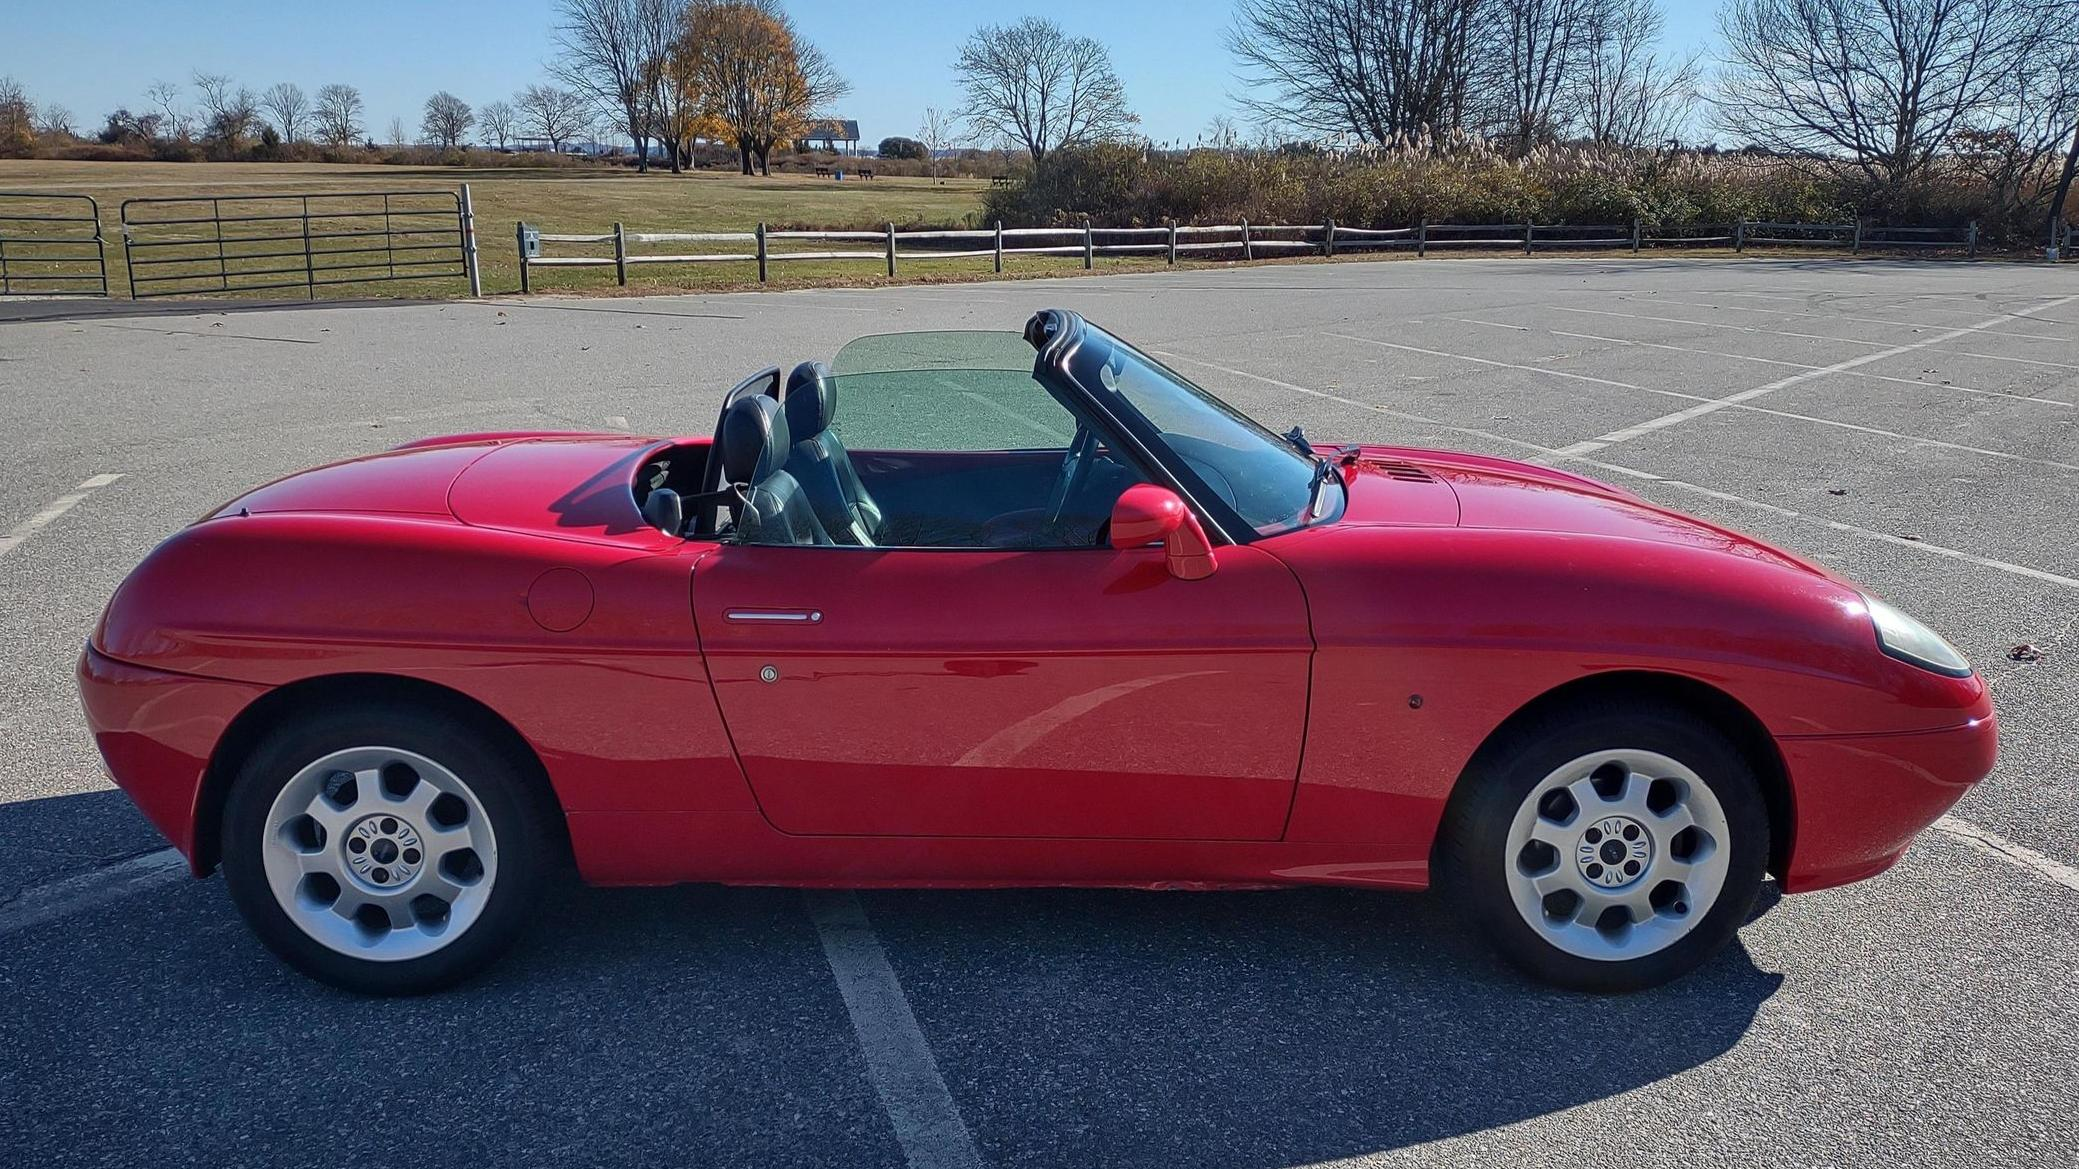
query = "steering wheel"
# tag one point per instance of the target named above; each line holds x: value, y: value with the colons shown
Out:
x: 1075, y: 467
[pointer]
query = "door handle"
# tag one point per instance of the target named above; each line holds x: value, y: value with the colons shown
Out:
x: 775, y: 616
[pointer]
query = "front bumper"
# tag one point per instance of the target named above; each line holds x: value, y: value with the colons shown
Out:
x: 156, y: 732
x: 1860, y: 799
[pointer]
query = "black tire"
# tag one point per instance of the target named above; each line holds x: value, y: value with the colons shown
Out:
x: 507, y: 786
x: 1472, y: 851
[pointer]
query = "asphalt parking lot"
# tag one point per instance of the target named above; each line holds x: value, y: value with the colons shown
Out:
x: 1914, y: 424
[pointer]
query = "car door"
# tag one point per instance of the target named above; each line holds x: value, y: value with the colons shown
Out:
x: 1071, y: 692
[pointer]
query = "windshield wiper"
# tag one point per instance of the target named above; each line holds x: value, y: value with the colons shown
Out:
x: 1299, y: 441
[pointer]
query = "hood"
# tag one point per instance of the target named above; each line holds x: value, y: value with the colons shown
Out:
x: 1405, y: 485
x: 565, y: 485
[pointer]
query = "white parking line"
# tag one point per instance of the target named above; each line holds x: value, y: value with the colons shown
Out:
x: 1838, y: 526
x: 43, y: 903
x: 1748, y: 357
x: 927, y: 1122
x: 1546, y: 453
x: 2020, y: 856
x: 1733, y: 401
x: 58, y: 507
x: 1651, y: 425
x: 1916, y: 325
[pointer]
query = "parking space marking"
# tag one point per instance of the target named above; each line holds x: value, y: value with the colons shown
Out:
x: 1881, y: 377
x: 58, y: 507
x: 1553, y: 455
x: 43, y: 903
x: 905, y: 1075
x: 1782, y: 312
x: 1731, y: 401
x: 1837, y: 525
x: 1652, y: 425
x: 2020, y: 856
x: 1603, y: 312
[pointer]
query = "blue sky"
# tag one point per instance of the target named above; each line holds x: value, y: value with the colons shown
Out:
x: 94, y: 55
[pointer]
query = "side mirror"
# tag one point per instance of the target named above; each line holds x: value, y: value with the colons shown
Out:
x: 1146, y: 513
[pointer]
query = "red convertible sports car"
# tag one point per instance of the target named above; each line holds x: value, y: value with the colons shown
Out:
x: 1027, y: 610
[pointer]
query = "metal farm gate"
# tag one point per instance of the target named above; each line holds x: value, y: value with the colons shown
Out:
x: 50, y: 245
x: 200, y: 244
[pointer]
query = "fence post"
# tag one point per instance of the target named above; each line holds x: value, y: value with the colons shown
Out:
x: 1972, y: 252
x: 1328, y: 237
x: 1422, y: 238
x: 999, y: 246
x: 1855, y: 248
x: 1740, y: 235
x: 520, y: 241
x: 1636, y: 227
x: 891, y: 249
x: 1089, y: 246
x: 310, y: 271
x: 1173, y: 242
x: 469, y: 259
x: 620, y: 256
x: 1248, y: 249
x: 1526, y: 235
x: 761, y: 253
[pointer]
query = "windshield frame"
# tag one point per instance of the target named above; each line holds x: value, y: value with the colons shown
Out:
x: 1069, y: 354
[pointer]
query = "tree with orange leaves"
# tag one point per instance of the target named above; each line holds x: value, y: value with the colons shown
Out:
x: 752, y: 74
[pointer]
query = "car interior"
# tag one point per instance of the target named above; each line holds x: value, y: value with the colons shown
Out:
x: 784, y: 475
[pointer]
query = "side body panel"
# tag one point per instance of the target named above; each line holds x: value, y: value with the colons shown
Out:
x: 1429, y: 639
x: 586, y: 647
x: 1064, y: 693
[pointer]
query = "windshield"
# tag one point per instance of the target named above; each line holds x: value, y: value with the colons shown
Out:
x: 1265, y: 479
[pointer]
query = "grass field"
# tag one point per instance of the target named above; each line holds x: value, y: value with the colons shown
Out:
x: 556, y: 199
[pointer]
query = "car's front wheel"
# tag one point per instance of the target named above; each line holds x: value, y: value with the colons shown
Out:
x: 1608, y: 851
x: 387, y: 849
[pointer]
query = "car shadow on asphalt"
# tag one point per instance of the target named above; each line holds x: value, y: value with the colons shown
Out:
x: 646, y: 1025
x: 1266, y: 1029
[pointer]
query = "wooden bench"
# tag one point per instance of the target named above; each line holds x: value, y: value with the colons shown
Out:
x: 822, y: 172
x: 999, y: 180
x: 865, y: 173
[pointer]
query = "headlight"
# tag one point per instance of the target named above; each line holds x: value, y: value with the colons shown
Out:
x: 1909, y: 641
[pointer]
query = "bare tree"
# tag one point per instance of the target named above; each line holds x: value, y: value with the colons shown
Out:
x: 497, y: 119
x: 613, y: 51
x: 1383, y: 71
x: 1880, y: 84
x: 1627, y: 94
x: 939, y: 134
x: 447, y: 118
x: 285, y: 102
x: 174, y: 118
x: 55, y: 121
x: 555, y: 114
x: 1222, y: 134
x: 1534, y: 48
x: 228, y: 112
x: 337, y: 115
x: 17, y: 118
x: 1034, y: 85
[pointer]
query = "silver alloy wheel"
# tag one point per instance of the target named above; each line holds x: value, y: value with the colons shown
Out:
x: 1617, y: 854
x: 379, y: 853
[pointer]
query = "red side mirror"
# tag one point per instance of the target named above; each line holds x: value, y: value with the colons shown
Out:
x: 1146, y: 513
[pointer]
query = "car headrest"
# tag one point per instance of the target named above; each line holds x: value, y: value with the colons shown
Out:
x: 754, y: 440
x: 811, y: 400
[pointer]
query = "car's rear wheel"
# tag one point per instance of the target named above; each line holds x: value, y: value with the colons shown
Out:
x: 387, y: 850
x: 1607, y: 851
